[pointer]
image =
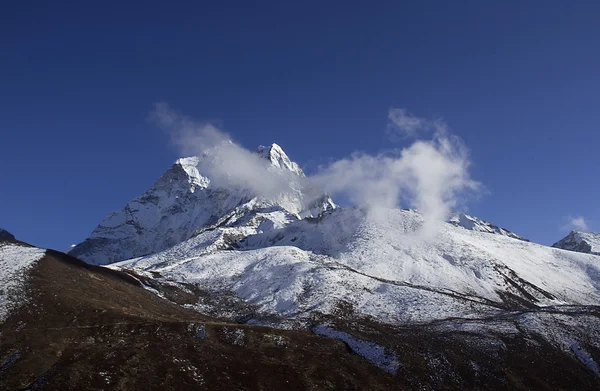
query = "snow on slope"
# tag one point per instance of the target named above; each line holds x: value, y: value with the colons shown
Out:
x: 584, y: 242
x: 15, y: 260
x: 476, y: 224
x: 290, y: 282
x: 374, y: 353
x: 183, y: 202
x: 279, y: 159
x: 471, y: 262
x: 383, y: 268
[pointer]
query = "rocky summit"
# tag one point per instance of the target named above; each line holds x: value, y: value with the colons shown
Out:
x: 583, y: 242
x: 4, y: 234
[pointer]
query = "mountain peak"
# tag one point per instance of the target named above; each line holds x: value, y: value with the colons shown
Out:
x: 187, y: 199
x: 4, y: 234
x: 278, y: 158
x: 583, y: 242
x: 188, y: 161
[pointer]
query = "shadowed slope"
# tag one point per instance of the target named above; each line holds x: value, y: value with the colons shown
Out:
x: 88, y: 327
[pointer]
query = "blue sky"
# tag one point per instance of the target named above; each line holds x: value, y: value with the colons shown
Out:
x: 518, y: 81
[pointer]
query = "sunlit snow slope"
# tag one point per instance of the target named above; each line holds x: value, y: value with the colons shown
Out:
x: 383, y: 268
x: 15, y: 260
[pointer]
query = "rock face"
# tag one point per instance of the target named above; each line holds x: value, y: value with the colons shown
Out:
x: 583, y: 242
x: 184, y: 202
x: 4, y: 234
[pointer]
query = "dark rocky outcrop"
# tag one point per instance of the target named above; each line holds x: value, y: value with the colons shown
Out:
x: 5, y: 235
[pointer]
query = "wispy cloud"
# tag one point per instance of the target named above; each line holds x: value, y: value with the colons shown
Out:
x: 404, y: 125
x: 188, y: 135
x: 429, y: 175
x: 576, y: 223
x: 224, y: 162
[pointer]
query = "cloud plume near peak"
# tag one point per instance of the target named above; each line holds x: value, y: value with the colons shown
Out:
x: 226, y: 163
x: 576, y: 223
x: 430, y: 175
x: 404, y: 125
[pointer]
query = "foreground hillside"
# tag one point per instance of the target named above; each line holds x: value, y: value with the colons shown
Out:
x: 78, y: 326
x: 86, y: 327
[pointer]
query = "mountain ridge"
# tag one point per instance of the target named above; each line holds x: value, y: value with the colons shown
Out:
x: 4, y: 234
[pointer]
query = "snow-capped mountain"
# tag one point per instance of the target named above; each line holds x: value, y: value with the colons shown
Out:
x: 290, y: 256
x: 383, y: 269
x: 184, y: 202
x: 279, y: 159
x: 583, y: 242
x: 429, y: 308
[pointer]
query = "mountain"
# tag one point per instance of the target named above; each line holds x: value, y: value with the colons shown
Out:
x: 380, y: 269
x: 468, y: 305
x: 183, y: 202
x: 4, y: 234
x: 288, y: 263
x: 583, y: 242
x: 79, y: 326
x: 279, y: 159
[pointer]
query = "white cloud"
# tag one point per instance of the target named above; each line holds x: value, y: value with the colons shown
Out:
x: 430, y: 175
x: 402, y: 125
x: 189, y: 136
x: 224, y: 162
x: 576, y: 223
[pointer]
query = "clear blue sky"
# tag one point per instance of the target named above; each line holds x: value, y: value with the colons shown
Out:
x: 519, y: 81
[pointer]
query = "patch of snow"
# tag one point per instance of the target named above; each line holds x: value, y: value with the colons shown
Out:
x: 15, y: 261
x: 375, y: 354
x: 567, y: 328
x: 278, y: 340
x: 198, y: 329
x: 236, y: 336
x: 585, y: 358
